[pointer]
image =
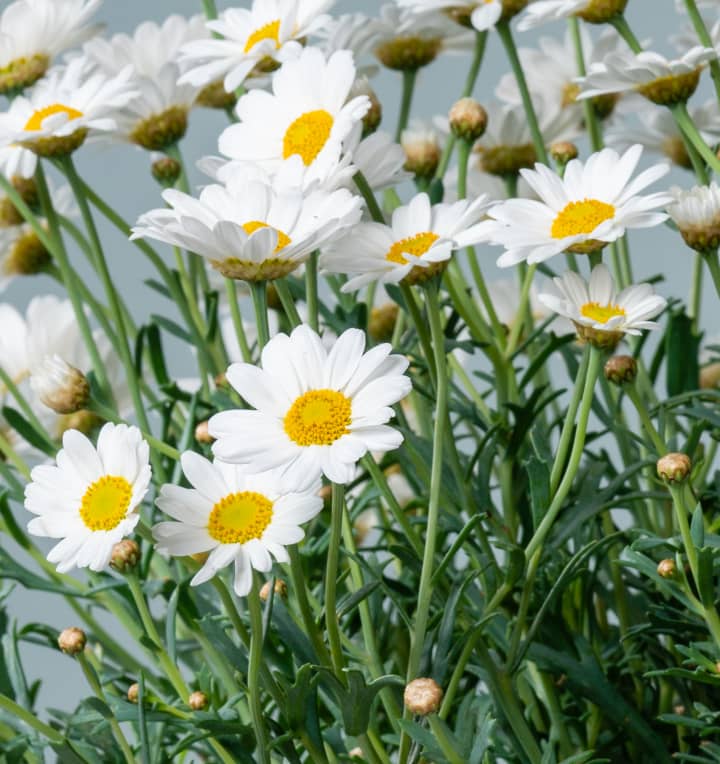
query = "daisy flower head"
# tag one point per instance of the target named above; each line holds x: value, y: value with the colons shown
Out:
x: 480, y: 14
x: 600, y: 313
x: 421, y: 143
x: 71, y: 104
x: 696, y: 213
x: 592, y: 11
x: 34, y: 32
x: 307, y: 115
x: 416, y: 246
x: 254, y: 228
x: 17, y: 163
x: 317, y: 412
x: 660, y: 80
x: 355, y: 32
x: 89, y: 498
x: 592, y: 205
x: 236, y: 516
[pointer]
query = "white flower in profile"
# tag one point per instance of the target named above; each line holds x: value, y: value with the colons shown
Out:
x: 316, y: 411
x: 17, y: 162
x: 239, y: 518
x: 593, y: 204
x: 414, y: 247
x: 592, y: 11
x: 249, y: 37
x: 89, y: 500
x: 69, y: 105
x: 254, y: 228
x: 696, y: 213
x: 482, y: 14
x: 602, y: 315
x: 355, y: 32
x: 34, y: 32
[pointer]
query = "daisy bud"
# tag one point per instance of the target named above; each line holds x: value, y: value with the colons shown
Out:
x: 132, y: 692
x: 22, y: 73
x: 422, y: 152
x: 161, y: 131
x: 214, y: 96
x: 198, y: 701
x: 468, y: 119
x: 202, y: 434
x: 674, y: 468
x: 27, y: 256
x: 382, y: 321
x: 710, y: 376
x: 563, y: 151
x: 373, y: 116
x: 356, y: 753
x: 601, y: 11
x: 166, y: 171
x: 325, y: 494
x: 408, y: 54
x: 679, y: 709
x: 9, y: 215
x: 125, y: 556
x: 422, y: 696
x: 72, y: 641
x: 666, y: 568
x: 620, y: 369
x: 696, y: 213
x: 281, y: 590
x: 61, y: 387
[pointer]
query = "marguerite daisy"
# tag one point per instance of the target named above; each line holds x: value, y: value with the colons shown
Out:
x: 602, y: 315
x: 235, y: 516
x: 593, y: 204
x: 696, y: 213
x: 90, y: 499
x: 592, y: 11
x: 414, y: 247
x: 481, y: 14
x: 317, y: 412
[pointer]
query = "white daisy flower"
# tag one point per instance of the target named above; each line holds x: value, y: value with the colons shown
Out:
x: 317, y: 412
x: 481, y: 14
x: 307, y: 115
x: 237, y: 517
x: 70, y: 104
x: 415, y: 246
x: 593, y: 204
x: 696, y: 213
x: 17, y: 162
x: 592, y: 11
x: 247, y: 37
x: 602, y: 315
x: 355, y: 32
x: 90, y: 499
x: 34, y: 32
x: 380, y: 160
x: 252, y: 228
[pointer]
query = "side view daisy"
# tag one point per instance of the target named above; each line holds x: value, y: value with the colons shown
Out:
x: 413, y: 248
x: 696, y: 213
x: 600, y: 314
x: 90, y: 498
x: 481, y: 14
x: 593, y: 204
x: 316, y: 412
x: 592, y: 11
x: 237, y: 517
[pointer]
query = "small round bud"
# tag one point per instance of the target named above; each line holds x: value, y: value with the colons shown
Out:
x: 166, y: 171
x: 132, y: 692
x: 382, y: 321
x: 281, y: 590
x: 679, y: 710
x: 198, y: 701
x: 202, y: 433
x: 717, y: 667
x: 373, y: 116
x: 620, y: 369
x: 422, y: 696
x: 72, y: 641
x: 468, y: 119
x: 125, y: 556
x: 422, y: 152
x: 563, y: 151
x: 356, y: 753
x: 61, y: 387
x: 666, y: 568
x: 710, y: 376
x: 408, y: 54
x: 160, y: 131
x: 674, y: 468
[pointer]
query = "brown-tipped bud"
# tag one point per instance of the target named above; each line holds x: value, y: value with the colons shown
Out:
x: 407, y: 54
x: 356, y: 753
x: 468, y: 119
x: 710, y: 376
x: 132, y: 692
x: 382, y: 321
x: 563, y: 151
x: 325, y: 494
x: 679, y: 710
x: 674, y: 468
x: 72, y: 641
x: 422, y: 696
x: 620, y: 369
x: 202, y: 433
x: 281, y: 590
x: 125, y: 556
x: 166, y: 171
x: 666, y: 568
x: 61, y: 387
x: 198, y: 701
x: 422, y: 153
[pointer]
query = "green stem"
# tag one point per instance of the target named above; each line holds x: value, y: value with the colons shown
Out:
x: 521, y: 316
x: 300, y: 591
x: 686, y: 124
x: 713, y: 264
x: 25, y: 716
x: 623, y: 28
x: 210, y: 9
x: 288, y: 304
x: 644, y: 415
x: 311, y: 290
x: 446, y: 745
x: 367, y: 194
x: 333, y: 557
x: 704, y: 37
x: 258, y: 289
x: 255, y: 661
x: 591, y: 119
x: 695, y: 296
x: 408, y: 87
x: 231, y: 292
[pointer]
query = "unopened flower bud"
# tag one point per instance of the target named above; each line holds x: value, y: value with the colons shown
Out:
x: 468, y: 119
x: 422, y: 152
x: 132, y: 692
x: 214, y: 96
x: 325, y: 494
x: 61, y: 387
x: 620, y: 369
x: 9, y: 213
x: 125, y: 556
x: 27, y: 255
x: 422, y: 696
x: 382, y: 321
x: 198, y: 701
x: 202, y: 433
x: 710, y: 376
x: 356, y: 753
x: 72, y: 641
x: 281, y: 590
x: 674, y: 468
x: 160, y: 131
x: 666, y: 568
x: 408, y: 54
x: 563, y: 151
x: 166, y: 171
x: 373, y: 116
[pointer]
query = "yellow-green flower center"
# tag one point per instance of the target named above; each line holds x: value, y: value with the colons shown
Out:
x: 307, y: 135
x: 416, y: 245
x: 318, y: 418
x: 581, y: 218
x: 270, y: 31
x: 36, y: 120
x: 601, y: 313
x: 240, y: 517
x: 105, y: 503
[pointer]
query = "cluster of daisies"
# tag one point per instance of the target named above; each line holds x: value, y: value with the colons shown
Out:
x: 296, y: 173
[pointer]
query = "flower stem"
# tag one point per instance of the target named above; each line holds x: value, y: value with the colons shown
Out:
x: 690, y: 130
x: 522, y: 311
x: 231, y: 292
x: 591, y: 119
x: 210, y: 9
x: 255, y: 661
x: 704, y: 37
x: 367, y: 194
x: 695, y: 296
x: 644, y: 415
x: 623, y: 29
x: 713, y: 264
x: 287, y: 302
x: 333, y: 557
x: 300, y: 591
x: 409, y: 77
x: 25, y: 716
x: 311, y: 290
x: 258, y: 289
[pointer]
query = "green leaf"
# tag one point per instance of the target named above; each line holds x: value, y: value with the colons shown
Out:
x: 172, y: 328
x: 538, y: 473
x: 682, y: 342
x: 153, y: 339
x: 100, y: 706
x: 705, y: 585
x: 170, y: 624
x: 697, y: 527
x: 28, y: 432
x: 348, y: 603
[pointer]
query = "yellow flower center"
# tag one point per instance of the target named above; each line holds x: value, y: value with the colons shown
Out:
x: 318, y: 418
x: 581, y: 217
x: 36, y: 121
x: 253, y: 225
x: 416, y: 245
x: 105, y: 503
x: 271, y: 31
x: 601, y: 313
x: 307, y: 135
x: 240, y: 517
x: 570, y: 93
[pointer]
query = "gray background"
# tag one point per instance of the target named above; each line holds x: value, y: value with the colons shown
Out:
x: 121, y: 175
